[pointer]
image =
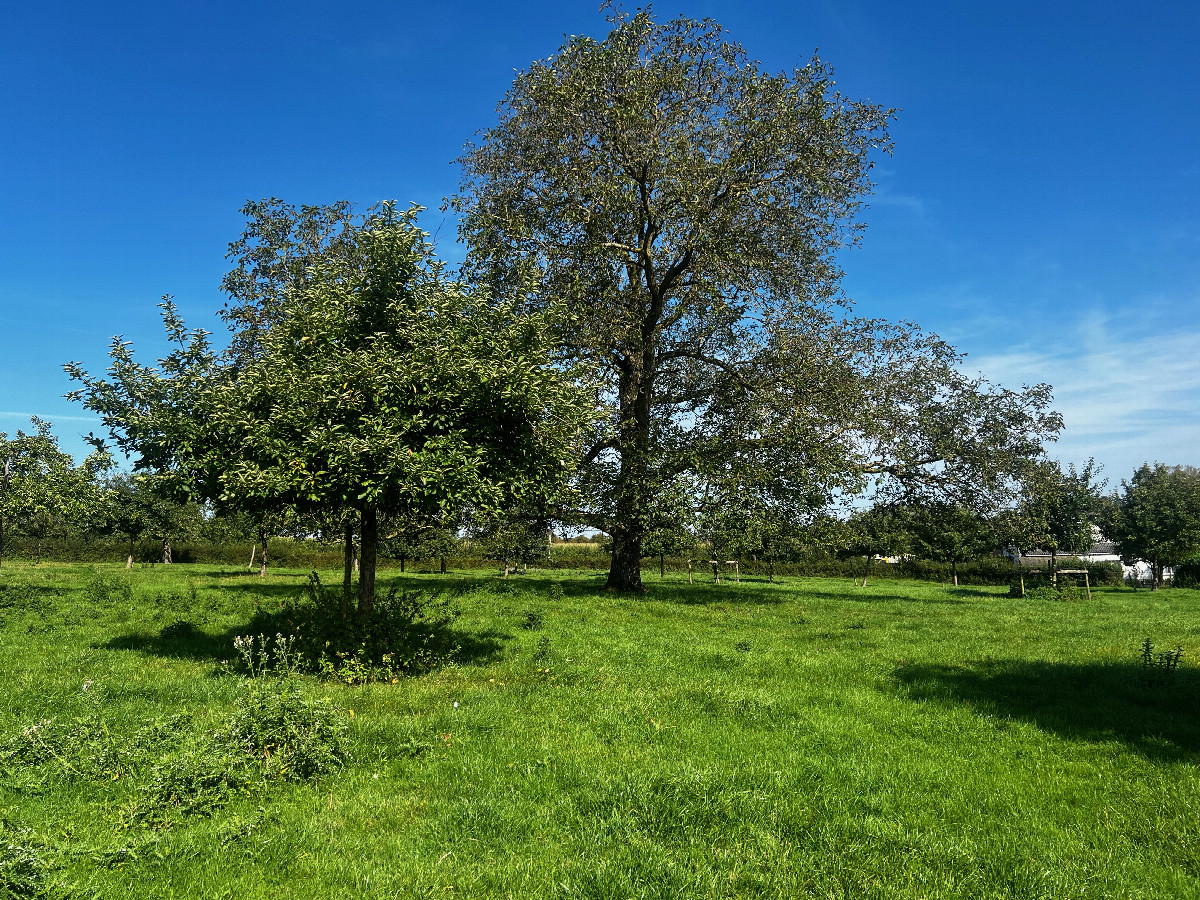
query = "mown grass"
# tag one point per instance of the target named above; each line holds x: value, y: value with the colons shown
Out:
x: 801, y: 739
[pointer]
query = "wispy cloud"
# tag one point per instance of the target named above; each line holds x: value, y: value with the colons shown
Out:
x: 1128, y: 393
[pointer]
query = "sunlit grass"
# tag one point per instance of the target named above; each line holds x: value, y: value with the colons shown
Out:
x: 806, y: 738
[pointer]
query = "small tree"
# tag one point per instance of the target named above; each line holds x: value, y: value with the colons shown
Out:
x: 517, y: 536
x: 381, y: 387
x: 1156, y: 517
x: 880, y: 530
x: 1059, y: 510
x: 42, y: 491
x: 946, y: 532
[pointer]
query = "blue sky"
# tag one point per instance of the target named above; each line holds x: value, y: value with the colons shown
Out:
x: 1040, y: 210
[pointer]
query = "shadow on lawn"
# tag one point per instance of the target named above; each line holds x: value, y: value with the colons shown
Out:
x: 764, y: 593
x: 183, y: 640
x: 1077, y: 701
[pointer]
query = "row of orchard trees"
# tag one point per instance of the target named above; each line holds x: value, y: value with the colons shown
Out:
x: 45, y: 498
x: 649, y: 311
x: 1154, y: 517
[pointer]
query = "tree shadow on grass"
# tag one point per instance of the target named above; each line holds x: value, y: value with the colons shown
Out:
x: 184, y: 640
x: 880, y: 595
x: 1077, y: 701
x: 246, y: 573
x: 21, y: 595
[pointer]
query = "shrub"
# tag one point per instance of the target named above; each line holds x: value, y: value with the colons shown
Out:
x: 405, y: 633
x: 1187, y: 573
x: 286, y: 734
x: 22, y: 871
x: 1158, y: 667
x: 197, y: 782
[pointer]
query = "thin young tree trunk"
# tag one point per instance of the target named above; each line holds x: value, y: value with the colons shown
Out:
x: 443, y: 565
x: 771, y: 571
x: 129, y: 558
x: 662, y: 566
x: 166, y: 551
x: 369, y: 536
x: 867, y: 569
x: 263, y: 536
x: 954, y: 571
x: 348, y: 570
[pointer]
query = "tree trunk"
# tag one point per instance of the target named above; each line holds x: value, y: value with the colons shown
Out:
x: 662, y: 566
x: 402, y: 565
x: 867, y: 569
x: 262, y: 570
x: 166, y: 551
x: 253, y: 553
x: 954, y: 571
x: 1155, y: 575
x: 348, y: 570
x: 632, y: 488
x: 443, y: 565
x: 129, y: 558
x: 625, y: 570
x: 771, y: 571
x: 369, y: 536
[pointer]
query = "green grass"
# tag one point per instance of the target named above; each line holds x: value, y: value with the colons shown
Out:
x: 801, y: 739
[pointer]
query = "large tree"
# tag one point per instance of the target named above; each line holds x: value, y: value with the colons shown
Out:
x: 689, y: 207
x: 1155, y: 517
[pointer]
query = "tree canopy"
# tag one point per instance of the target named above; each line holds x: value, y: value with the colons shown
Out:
x: 371, y: 384
x: 42, y: 490
x: 1155, y: 517
x: 688, y: 207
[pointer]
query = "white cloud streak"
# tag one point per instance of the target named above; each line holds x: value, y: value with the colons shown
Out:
x: 1128, y: 394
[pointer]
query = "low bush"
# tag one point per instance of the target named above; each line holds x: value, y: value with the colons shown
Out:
x: 405, y: 633
x: 1187, y: 573
x: 22, y: 870
x: 285, y: 734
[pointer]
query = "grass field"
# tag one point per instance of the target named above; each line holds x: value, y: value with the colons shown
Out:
x: 802, y: 739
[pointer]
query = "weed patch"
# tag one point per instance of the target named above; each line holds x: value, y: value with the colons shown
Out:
x: 405, y: 633
x: 22, y: 870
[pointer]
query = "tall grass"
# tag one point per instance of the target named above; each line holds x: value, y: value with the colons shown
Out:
x: 801, y: 739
